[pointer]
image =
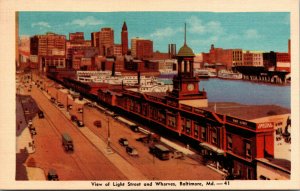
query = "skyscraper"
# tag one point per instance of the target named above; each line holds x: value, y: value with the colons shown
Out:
x: 106, y: 40
x: 124, y: 38
x: 144, y: 49
x: 95, y: 39
x: 50, y: 48
x: 133, y: 46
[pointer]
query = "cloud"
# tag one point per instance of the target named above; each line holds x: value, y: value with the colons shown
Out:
x: 231, y: 37
x: 251, y: 34
x: 196, y: 25
x: 204, y: 42
x: 90, y: 20
x: 163, y: 33
x: 41, y: 24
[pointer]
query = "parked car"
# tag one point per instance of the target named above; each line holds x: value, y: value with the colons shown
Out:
x: 52, y: 175
x: 80, y: 110
x: 52, y: 99
x: 177, y: 155
x: 74, y: 118
x: 32, y: 129
x: 70, y: 106
x: 29, y: 122
x: 60, y: 105
x: 41, y: 114
x: 123, y: 141
x: 98, y: 123
x: 79, y: 123
x: 132, y: 151
x: 90, y: 104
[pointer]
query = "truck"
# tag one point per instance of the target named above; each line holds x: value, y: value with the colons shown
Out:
x: 67, y: 142
x: 160, y: 151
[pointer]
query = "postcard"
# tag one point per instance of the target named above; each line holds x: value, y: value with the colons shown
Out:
x: 138, y: 95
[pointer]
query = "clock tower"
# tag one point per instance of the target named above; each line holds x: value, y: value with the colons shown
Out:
x: 185, y: 84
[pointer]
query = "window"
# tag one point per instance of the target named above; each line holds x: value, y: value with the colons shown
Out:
x: 172, y: 121
x: 144, y: 109
x: 161, y: 116
x: 214, y: 136
x: 196, y: 130
x: 203, y: 133
x: 248, y: 150
x: 131, y: 104
x: 188, y: 126
x: 229, y: 142
x: 182, y: 124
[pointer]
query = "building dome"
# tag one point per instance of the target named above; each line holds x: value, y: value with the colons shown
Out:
x: 185, y: 51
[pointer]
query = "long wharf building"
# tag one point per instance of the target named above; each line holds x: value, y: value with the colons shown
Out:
x: 234, y: 142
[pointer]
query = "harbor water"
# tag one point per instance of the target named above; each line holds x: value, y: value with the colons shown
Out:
x: 245, y: 92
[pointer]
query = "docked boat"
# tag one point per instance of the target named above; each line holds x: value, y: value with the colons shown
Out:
x: 204, y: 73
x: 226, y: 74
x: 146, y: 84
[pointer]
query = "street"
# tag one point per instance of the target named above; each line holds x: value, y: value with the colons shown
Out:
x: 90, y: 159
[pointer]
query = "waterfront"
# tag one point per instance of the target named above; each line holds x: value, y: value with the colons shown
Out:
x: 245, y: 92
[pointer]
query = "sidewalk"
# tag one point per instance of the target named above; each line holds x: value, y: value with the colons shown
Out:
x: 35, y: 173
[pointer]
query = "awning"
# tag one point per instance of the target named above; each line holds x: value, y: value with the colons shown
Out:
x: 212, y: 148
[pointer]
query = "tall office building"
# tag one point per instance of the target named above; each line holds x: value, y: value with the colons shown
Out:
x: 95, y: 39
x: 144, y: 49
x: 141, y: 48
x: 106, y: 40
x: 50, y: 49
x: 77, y: 37
x: 133, y: 46
x: 124, y: 39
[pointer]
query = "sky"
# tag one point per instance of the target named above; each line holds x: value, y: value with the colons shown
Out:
x: 260, y: 31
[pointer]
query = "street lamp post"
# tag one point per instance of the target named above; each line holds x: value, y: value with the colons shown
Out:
x: 82, y: 114
x: 108, y: 133
x: 67, y: 105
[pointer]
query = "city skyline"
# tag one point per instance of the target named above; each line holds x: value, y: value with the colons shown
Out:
x: 264, y: 32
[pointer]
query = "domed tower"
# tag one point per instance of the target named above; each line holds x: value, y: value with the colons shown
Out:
x: 185, y: 84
